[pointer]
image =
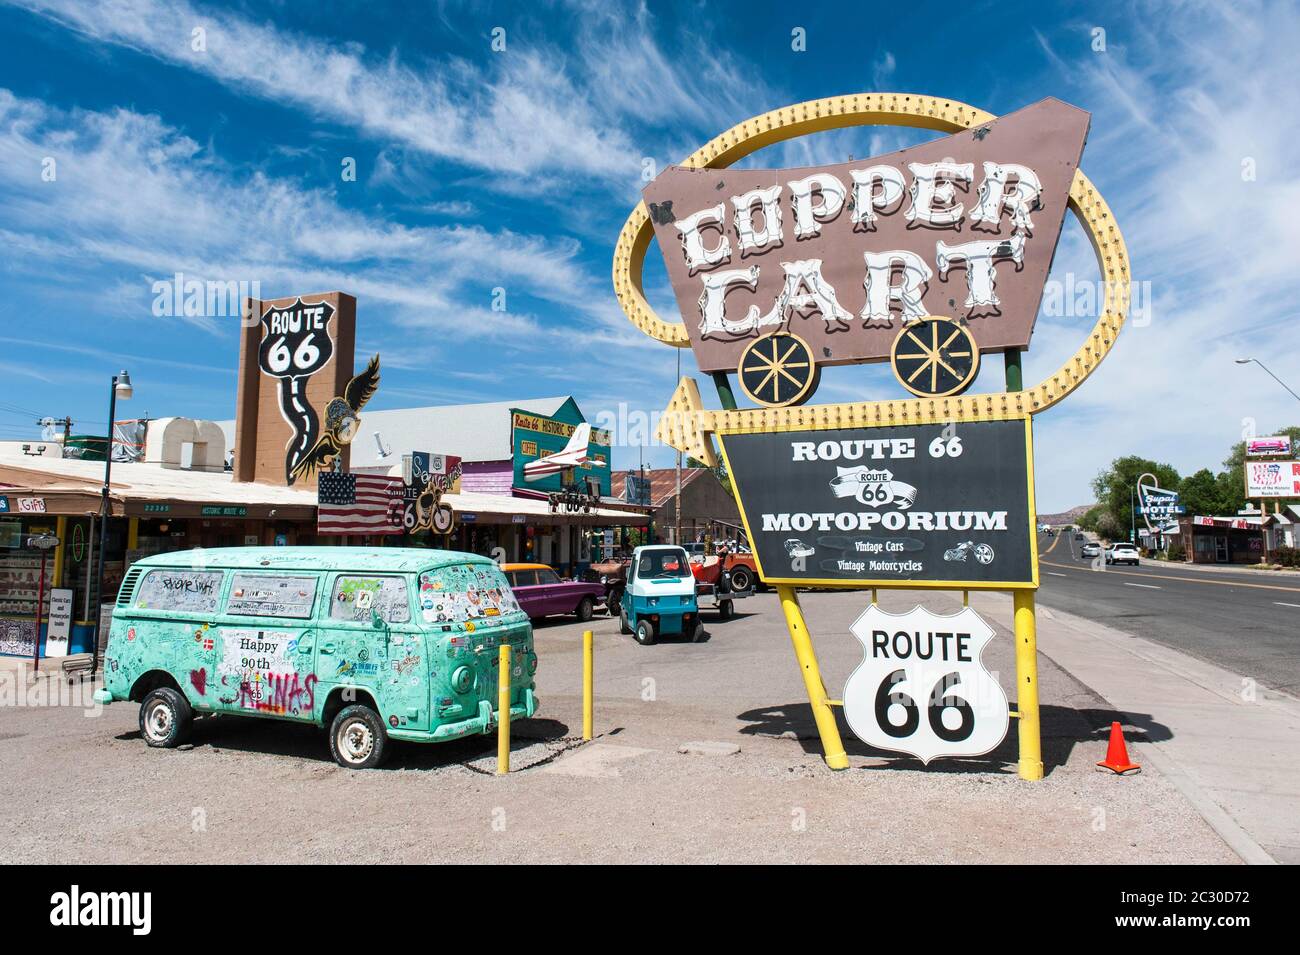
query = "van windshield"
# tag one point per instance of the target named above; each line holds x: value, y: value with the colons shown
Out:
x: 468, y: 594
x: 663, y: 563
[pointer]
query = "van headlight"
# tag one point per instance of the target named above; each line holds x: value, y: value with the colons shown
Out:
x: 654, y: 601
x: 462, y: 679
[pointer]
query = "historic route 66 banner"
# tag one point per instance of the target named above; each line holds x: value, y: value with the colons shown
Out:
x: 934, y: 505
x: 921, y: 687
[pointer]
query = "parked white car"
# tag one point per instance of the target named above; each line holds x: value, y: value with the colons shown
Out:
x: 1122, y: 552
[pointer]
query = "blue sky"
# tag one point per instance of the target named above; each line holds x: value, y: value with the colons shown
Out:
x: 515, y: 169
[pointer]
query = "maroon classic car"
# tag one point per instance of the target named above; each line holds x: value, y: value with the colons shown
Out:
x: 541, y: 592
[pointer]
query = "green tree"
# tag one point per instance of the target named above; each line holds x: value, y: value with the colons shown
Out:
x: 1088, y: 521
x: 1116, y: 491
x: 1202, y: 493
x: 1108, y: 528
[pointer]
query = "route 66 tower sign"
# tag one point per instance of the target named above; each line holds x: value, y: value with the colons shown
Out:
x: 929, y: 259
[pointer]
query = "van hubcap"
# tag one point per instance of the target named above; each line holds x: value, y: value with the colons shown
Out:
x: 159, y: 721
x: 356, y: 741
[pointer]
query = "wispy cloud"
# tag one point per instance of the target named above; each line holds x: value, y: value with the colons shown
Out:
x: 532, y: 110
x: 1193, y: 154
x: 132, y: 191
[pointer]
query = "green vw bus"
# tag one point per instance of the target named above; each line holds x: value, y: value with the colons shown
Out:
x: 371, y: 643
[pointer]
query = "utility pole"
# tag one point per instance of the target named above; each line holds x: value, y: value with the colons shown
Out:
x: 66, y: 421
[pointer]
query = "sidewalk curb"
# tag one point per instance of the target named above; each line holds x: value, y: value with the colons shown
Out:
x: 1218, y: 819
x: 1244, y: 569
x: 1238, y: 840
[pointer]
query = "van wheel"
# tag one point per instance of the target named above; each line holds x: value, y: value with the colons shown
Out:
x: 645, y: 633
x: 586, y: 607
x: 165, y: 718
x: 624, y: 626
x: 358, y: 739
x: 697, y: 632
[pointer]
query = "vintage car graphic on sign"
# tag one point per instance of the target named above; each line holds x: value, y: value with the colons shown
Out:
x: 921, y: 687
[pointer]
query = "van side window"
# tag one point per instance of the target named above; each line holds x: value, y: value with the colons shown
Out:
x: 194, y: 591
x: 356, y: 596
x: 271, y: 595
x: 463, y: 593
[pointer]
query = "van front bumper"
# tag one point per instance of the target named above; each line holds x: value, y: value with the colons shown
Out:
x: 485, y: 722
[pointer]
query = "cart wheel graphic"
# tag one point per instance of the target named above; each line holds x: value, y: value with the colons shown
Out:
x: 935, y: 357
x: 984, y: 553
x: 778, y: 370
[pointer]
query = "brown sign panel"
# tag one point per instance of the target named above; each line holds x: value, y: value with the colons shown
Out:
x: 295, y: 357
x: 964, y: 227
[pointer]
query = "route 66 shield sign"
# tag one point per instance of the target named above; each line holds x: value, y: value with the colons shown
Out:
x: 921, y: 687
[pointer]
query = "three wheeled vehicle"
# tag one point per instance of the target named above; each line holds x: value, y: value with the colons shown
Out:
x: 665, y: 592
x: 660, y: 596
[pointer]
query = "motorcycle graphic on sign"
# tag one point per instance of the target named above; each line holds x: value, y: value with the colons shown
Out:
x: 922, y: 688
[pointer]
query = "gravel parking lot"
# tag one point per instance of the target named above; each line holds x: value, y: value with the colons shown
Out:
x: 78, y: 789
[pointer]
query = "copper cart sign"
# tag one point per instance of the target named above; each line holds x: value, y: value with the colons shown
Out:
x: 926, y: 258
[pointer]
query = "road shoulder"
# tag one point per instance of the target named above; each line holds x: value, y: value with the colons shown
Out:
x: 1230, y: 746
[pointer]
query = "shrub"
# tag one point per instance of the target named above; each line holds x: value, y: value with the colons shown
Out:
x: 1175, y: 551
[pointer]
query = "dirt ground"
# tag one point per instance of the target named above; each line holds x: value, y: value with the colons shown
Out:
x: 79, y: 789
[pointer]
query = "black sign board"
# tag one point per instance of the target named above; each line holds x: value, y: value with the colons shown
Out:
x: 929, y: 505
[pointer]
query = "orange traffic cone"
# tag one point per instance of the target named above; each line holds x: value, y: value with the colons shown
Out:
x: 1117, y: 754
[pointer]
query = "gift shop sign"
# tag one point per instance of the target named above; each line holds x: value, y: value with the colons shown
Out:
x: 930, y: 505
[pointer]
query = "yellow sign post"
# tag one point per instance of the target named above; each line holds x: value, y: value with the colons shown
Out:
x: 588, y: 684
x: 503, y: 710
x: 689, y: 427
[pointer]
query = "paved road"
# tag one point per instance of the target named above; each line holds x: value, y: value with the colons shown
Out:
x: 1236, y: 620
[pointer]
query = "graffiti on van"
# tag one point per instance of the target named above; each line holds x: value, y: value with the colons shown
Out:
x: 282, y: 694
x: 259, y: 665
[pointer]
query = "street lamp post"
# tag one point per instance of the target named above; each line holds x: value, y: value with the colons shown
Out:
x: 1247, y: 361
x: 1132, y: 515
x: 121, y: 387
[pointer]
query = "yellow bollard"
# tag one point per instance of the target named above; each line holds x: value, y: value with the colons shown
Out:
x: 503, y: 712
x: 588, y: 680
x: 832, y: 746
x: 1031, y: 747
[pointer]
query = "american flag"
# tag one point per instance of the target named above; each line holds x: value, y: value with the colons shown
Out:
x: 358, y: 504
